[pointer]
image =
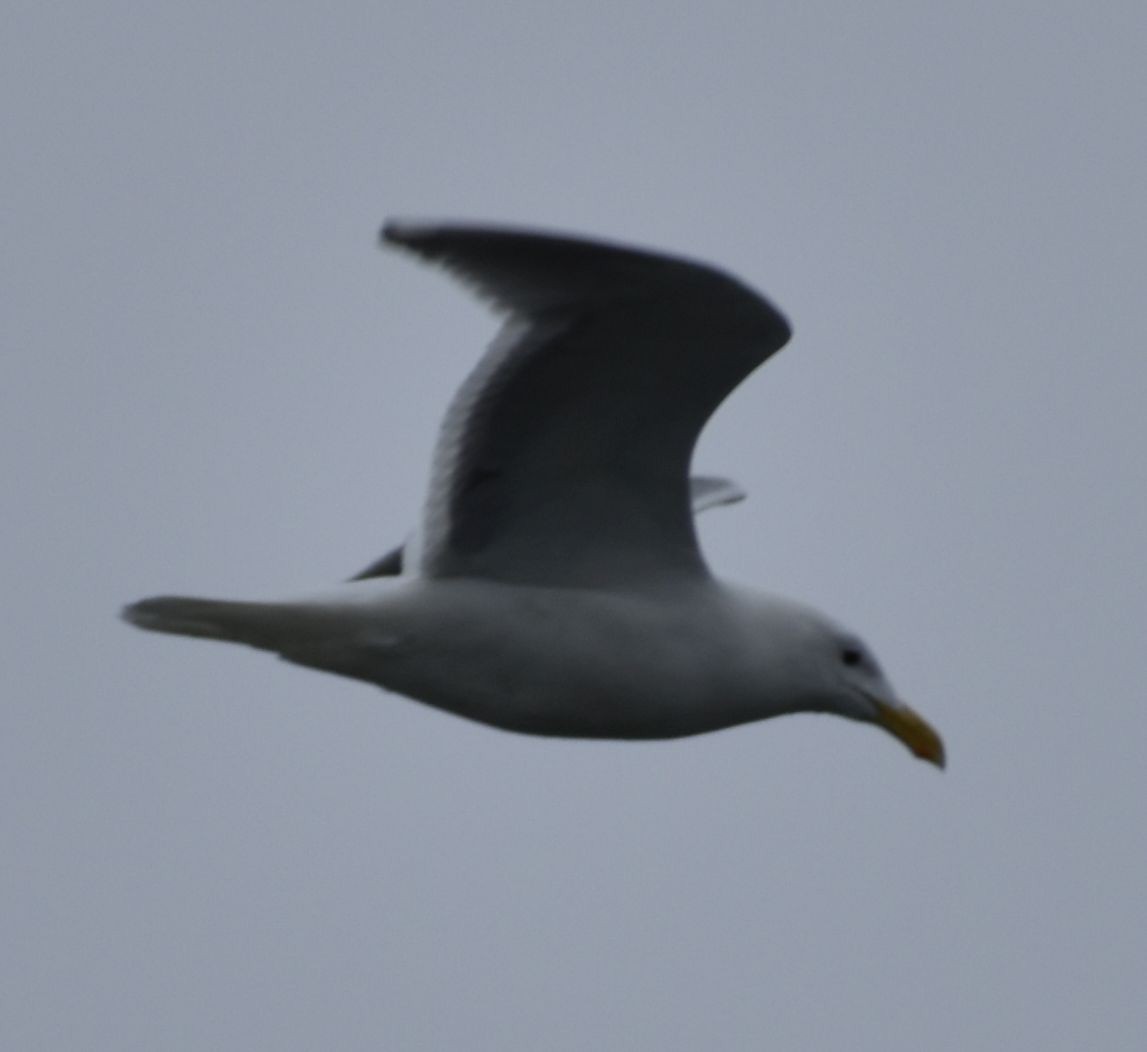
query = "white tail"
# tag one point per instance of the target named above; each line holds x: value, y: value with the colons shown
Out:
x: 263, y: 625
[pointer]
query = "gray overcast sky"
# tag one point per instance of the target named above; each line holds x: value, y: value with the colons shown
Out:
x: 213, y: 382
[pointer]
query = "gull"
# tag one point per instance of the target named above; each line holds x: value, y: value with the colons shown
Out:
x: 554, y: 584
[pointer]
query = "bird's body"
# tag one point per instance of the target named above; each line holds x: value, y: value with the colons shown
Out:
x: 582, y: 663
x: 555, y: 585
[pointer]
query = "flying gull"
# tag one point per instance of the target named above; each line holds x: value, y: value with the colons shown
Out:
x: 554, y: 584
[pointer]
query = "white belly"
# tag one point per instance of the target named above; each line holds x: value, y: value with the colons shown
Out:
x: 539, y: 660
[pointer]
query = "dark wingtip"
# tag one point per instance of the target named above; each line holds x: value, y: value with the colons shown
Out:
x: 389, y: 565
x: 388, y: 231
x: 405, y: 232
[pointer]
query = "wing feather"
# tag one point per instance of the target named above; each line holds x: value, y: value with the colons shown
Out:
x: 564, y: 458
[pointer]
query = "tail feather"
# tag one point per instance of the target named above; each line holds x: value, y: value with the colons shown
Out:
x: 257, y: 624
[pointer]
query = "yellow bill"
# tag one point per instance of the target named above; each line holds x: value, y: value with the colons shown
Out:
x: 912, y: 729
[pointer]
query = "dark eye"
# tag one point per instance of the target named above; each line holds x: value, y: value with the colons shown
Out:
x: 852, y: 656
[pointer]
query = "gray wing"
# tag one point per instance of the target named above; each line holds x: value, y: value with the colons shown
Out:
x: 705, y: 492
x: 708, y: 491
x: 564, y: 457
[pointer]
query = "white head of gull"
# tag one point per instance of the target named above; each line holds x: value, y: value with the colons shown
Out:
x: 555, y: 585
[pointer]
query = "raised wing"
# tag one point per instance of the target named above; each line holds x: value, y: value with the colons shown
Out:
x: 705, y: 492
x: 564, y: 457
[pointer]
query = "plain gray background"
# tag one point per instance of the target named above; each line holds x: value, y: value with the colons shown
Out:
x: 212, y: 382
